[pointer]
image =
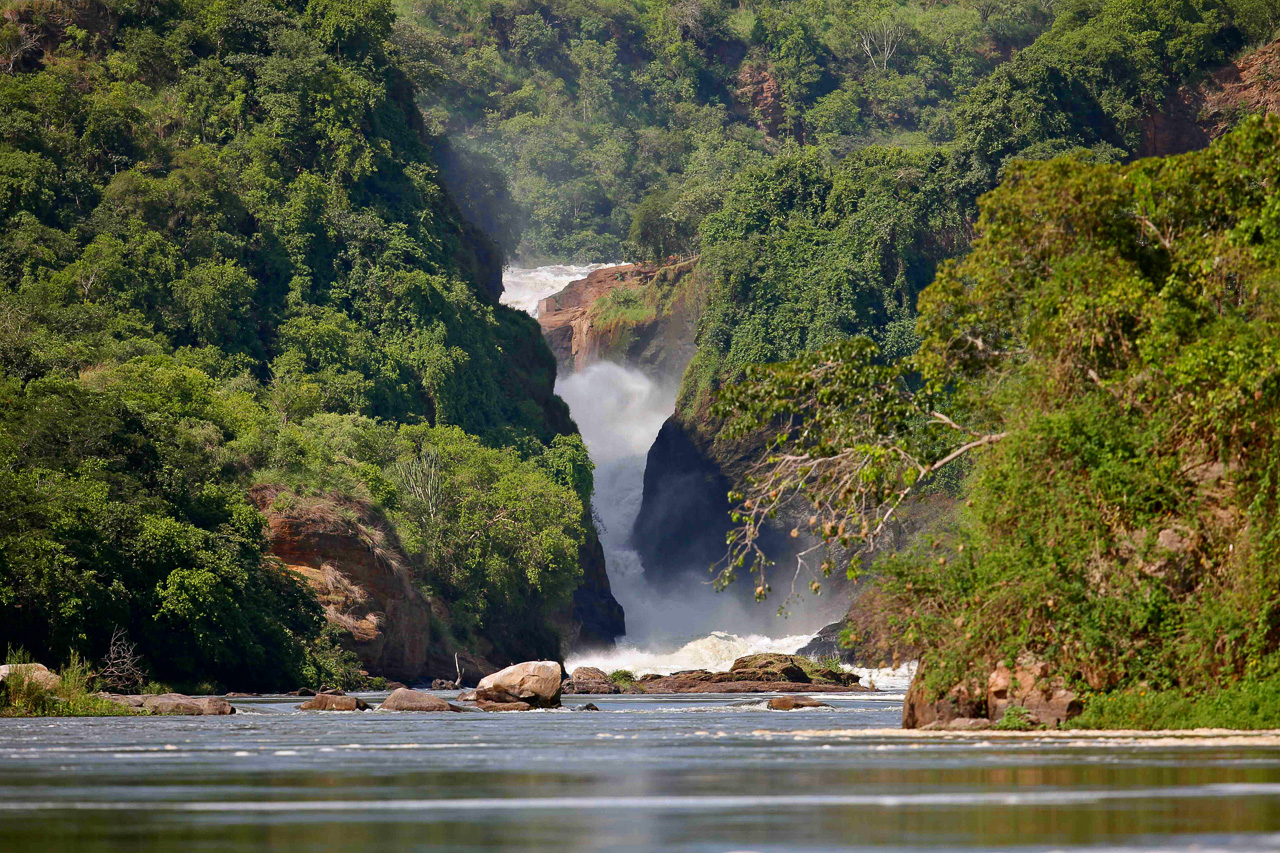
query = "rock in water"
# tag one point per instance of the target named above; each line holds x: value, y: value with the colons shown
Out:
x: 329, y: 702
x: 790, y: 703
x: 534, y: 682
x: 404, y: 699
x: 174, y: 704
x: 588, y: 679
x: 34, y: 673
x: 769, y: 667
x: 485, y: 705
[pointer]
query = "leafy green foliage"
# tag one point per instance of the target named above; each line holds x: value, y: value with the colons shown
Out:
x: 1016, y: 719
x: 1108, y: 356
x: 226, y: 250
x: 24, y: 696
x: 1247, y: 704
x: 117, y: 513
x: 801, y: 256
x: 1088, y: 83
x: 603, y: 113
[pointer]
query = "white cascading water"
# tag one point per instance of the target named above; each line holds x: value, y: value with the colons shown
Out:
x: 522, y: 288
x: 619, y: 411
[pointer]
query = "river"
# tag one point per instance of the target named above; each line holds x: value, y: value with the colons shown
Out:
x: 691, y: 773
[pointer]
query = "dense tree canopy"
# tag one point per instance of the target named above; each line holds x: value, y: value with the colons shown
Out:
x: 1105, y: 363
x: 224, y: 240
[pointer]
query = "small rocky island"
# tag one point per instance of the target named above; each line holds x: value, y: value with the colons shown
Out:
x: 761, y: 673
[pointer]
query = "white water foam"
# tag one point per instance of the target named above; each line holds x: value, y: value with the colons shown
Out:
x: 522, y: 288
x: 893, y: 680
x: 715, y: 652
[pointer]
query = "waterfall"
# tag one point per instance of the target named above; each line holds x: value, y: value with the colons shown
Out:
x: 619, y: 411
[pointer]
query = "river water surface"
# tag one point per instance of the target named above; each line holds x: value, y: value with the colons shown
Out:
x: 688, y: 773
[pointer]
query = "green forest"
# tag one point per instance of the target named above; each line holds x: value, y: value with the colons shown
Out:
x: 256, y: 246
x: 229, y: 260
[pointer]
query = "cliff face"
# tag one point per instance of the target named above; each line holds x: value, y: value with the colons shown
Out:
x: 597, y: 619
x: 361, y: 578
x: 1194, y: 116
x: 684, y: 512
x: 644, y: 316
x: 684, y: 518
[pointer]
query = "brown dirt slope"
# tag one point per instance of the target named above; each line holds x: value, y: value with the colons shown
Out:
x: 1196, y: 115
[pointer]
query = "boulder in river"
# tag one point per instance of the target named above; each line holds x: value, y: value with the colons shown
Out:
x: 790, y: 703
x: 178, y: 704
x: 762, y: 673
x: 174, y: 704
x: 404, y: 699
x: 329, y: 702
x: 590, y: 680
x: 537, y: 683
x: 486, y: 705
x: 769, y: 667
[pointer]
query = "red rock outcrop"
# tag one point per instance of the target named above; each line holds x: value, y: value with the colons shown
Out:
x: 360, y: 577
x: 762, y: 673
x: 1196, y: 115
x: 661, y: 346
x: 760, y: 92
x: 921, y: 709
x: 1030, y: 685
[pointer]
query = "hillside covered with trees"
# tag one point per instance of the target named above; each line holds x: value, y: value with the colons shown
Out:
x: 227, y: 260
x: 1102, y: 369
x: 251, y: 258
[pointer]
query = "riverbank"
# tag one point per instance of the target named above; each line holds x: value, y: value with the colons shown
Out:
x: 28, y: 689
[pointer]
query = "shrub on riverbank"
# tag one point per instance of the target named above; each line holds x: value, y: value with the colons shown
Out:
x: 24, y: 694
x: 1249, y: 704
x: 622, y: 677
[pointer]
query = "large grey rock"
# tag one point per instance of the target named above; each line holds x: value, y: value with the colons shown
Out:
x: 537, y: 683
x: 404, y: 699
